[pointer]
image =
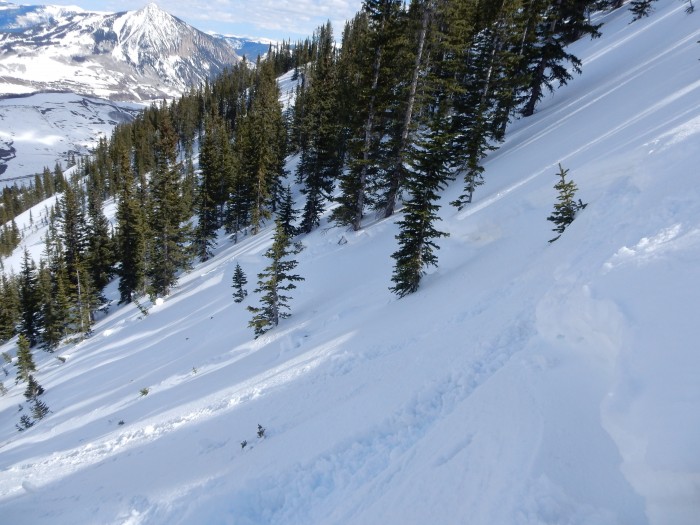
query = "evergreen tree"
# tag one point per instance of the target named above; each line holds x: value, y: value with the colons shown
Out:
x: 321, y: 161
x: 430, y: 172
x: 408, y: 74
x: 287, y: 214
x: 641, y: 8
x: 214, y: 162
x: 39, y: 409
x: 367, y: 40
x: 567, y: 207
x: 131, y: 234
x: 100, y: 245
x: 25, y: 362
x: 239, y: 282
x: 29, y: 305
x: 555, y: 24
x: 273, y: 282
x: 33, y: 390
x: 262, y: 157
x: 170, y: 234
x: 9, y: 307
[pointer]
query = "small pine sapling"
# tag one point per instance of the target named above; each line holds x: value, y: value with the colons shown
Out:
x: 144, y: 391
x: 33, y: 390
x: 39, y: 409
x: 566, y: 209
x: 244, y: 444
x: 25, y: 422
x: 239, y: 282
x: 261, y: 431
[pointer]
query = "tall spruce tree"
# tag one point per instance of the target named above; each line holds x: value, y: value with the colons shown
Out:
x: 170, y: 234
x: 273, y: 283
x: 428, y: 176
x: 368, y: 40
x: 321, y: 161
x: 214, y: 162
x: 555, y: 24
x: 9, y: 307
x: 130, y: 233
x: 262, y: 159
x: 29, y: 300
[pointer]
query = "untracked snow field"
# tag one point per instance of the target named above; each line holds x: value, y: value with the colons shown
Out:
x: 525, y: 383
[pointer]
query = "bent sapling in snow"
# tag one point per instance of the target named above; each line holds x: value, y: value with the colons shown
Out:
x: 567, y: 207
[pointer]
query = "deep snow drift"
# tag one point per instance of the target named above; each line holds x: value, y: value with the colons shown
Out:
x: 525, y: 383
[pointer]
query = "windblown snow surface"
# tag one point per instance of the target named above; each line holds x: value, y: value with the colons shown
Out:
x: 524, y: 383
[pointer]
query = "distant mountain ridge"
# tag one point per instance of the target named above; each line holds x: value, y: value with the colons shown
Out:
x: 129, y: 56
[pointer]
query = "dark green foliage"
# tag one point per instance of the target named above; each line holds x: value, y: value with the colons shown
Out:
x: 25, y: 422
x: 262, y: 147
x: 551, y: 26
x: 9, y: 308
x: 239, y: 282
x: 131, y: 234
x: 321, y: 159
x: 39, y: 409
x: 33, y: 389
x: 273, y: 282
x: 417, y: 237
x: 567, y: 207
x: 287, y: 214
x: 25, y: 362
x: 169, y: 232
x: 216, y: 165
x: 29, y: 300
x: 641, y: 8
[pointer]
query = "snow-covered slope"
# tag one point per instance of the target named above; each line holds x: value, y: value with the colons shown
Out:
x: 135, y: 55
x: 37, y: 131
x: 525, y: 383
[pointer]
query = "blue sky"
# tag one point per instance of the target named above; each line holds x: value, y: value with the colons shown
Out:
x: 275, y: 19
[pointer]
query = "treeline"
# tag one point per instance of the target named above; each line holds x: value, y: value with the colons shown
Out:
x: 414, y: 96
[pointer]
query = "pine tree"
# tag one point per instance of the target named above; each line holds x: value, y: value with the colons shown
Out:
x: 566, y: 209
x: 25, y: 362
x: 39, y: 409
x: 273, y: 282
x: 555, y: 24
x: 641, y: 8
x: 29, y: 300
x: 100, y: 245
x: 321, y: 160
x: 287, y: 214
x: 170, y: 234
x: 33, y: 390
x: 429, y: 174
x: 367, y: 41
x: 239, y: 282
x: 131, y: 234
x: 213, y: 181
x: 262, y: 158
x: 9, y: 307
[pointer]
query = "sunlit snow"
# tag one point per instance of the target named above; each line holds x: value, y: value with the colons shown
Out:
x: 524, y: 383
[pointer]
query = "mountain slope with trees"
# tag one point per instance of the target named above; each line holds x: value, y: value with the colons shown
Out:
x: 515, y: 380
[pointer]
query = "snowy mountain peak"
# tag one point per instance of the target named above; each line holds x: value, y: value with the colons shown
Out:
x: 132, y: 55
